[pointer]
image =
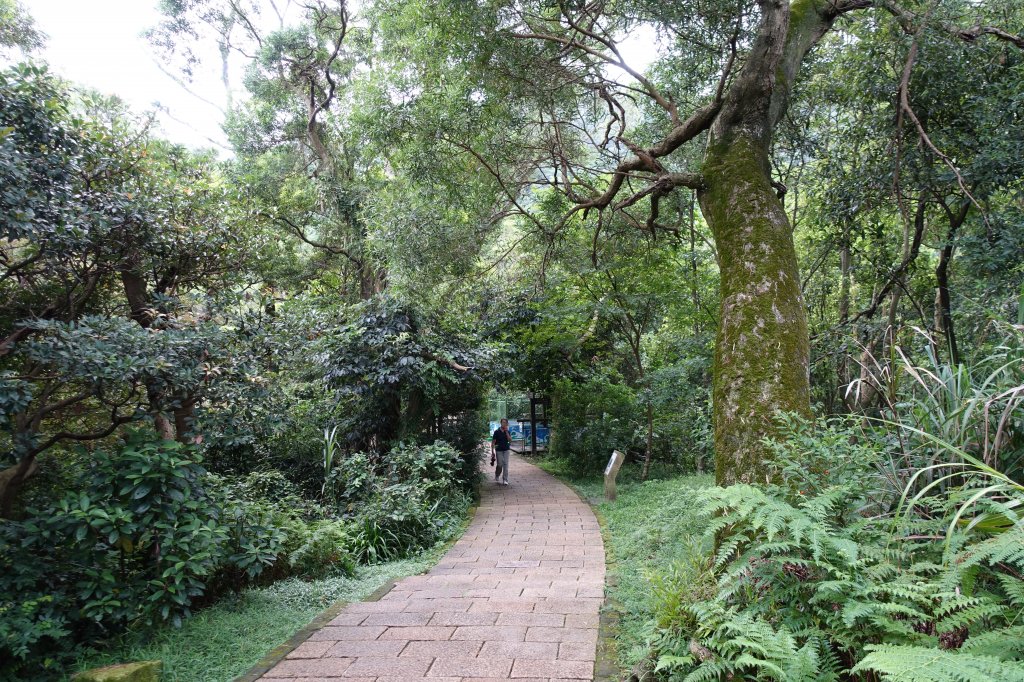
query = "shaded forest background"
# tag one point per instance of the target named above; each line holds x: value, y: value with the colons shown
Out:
x: 219, y: 372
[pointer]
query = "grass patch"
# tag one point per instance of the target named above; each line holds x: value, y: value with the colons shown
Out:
x: 650, y: 531
x: 225, y: 640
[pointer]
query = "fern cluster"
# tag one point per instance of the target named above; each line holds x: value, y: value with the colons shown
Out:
x: 809, y: 585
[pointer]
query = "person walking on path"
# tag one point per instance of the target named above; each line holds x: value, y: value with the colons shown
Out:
x: 501, y: 443
x: 518, y: 597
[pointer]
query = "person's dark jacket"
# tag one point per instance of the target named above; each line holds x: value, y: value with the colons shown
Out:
x: 502, y: 440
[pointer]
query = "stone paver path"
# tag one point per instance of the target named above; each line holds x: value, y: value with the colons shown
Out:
x: 516, y: 597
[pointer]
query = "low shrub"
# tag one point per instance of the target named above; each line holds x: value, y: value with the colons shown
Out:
x: 403, y: 519
x: 591, y: 419
x: 397, y: 504
x: 462, y: 431
x: 436, y: 467
x: 326, y: 551
x: 225, y: 640
x: 141, y: 540
x: 149, y: 535
x: 681, y: 396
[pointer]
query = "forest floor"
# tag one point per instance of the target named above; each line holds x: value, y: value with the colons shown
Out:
x: 517, y: 596
x: 225, y: 640
x: 651, y: 533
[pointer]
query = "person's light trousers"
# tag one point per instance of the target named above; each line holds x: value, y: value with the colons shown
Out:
x: 501, y: 468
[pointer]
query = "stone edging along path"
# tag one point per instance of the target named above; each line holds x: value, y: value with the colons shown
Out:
x: 517, y: 596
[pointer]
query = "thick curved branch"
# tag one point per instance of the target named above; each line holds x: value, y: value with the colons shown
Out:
x: 116, y: 420
x: 330, y: 248
x: 342, y: 30
x: 66, y: 309
x: 662, y: 185
x: 445, y: 361
x: 8, y: 343
x: 36, y: 419
x: 315, y: 107
x: 645, y: 160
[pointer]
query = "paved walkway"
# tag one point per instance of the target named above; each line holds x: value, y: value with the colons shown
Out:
x: 516, y: 597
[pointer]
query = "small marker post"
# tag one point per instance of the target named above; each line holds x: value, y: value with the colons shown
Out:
x: 611, y: 472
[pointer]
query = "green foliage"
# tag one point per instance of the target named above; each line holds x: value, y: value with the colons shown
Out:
x: 140, y: 543
x: 618, y: 315
x: 814, y: 583
x: 402, y: 205
x: 972, y: 408
x: 141, y: 282
x: 145, y: 528
x: 32, y: 624
x: 152, y: 534
x: 917, y: 664
x: 591, y: 419
x: 831, y: 454
x: 656, y: 555
x: 397, y: 373
x: 120, y: 255
x: 680, y: 391
x: 17, y: 29
x: 330, y: 452
x: 407, y: 500
x: 225, y: 640
x: 750, y: 648
x: 325, y: 551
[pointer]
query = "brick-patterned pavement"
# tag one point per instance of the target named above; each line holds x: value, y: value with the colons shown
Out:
x: 516, y: 597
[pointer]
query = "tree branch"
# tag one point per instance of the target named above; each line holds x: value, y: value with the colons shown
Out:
x: 445, y: 361
x: 912, y: 24
x: 330, y: 248
x: 904, y: 96
x: 645, y: 160
x: 116, y: 420
x: 895, y: 275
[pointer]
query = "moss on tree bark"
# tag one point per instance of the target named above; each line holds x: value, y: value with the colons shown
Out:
x: 761, y: 352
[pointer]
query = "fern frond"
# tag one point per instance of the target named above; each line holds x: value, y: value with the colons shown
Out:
x: 711, y: 671
x: 1005, y: 643
x: 920, y: 664
x: 1014, y: 588
x: 957, y: 611
x: 854, y: 612
x: 969, y: 616
x: 1006, y: 548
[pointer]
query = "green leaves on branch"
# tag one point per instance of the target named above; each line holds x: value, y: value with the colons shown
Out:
x: 142, y: 539
x: 399, y: 370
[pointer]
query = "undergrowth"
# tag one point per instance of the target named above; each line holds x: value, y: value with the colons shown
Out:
x: 830, y: 573
x: 826, y: 575
x: 224, y: 641
x: 651, y: 536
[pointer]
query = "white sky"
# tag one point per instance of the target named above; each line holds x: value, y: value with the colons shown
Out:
x: 99, y: 43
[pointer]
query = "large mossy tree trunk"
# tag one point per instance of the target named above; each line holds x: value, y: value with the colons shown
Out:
x: 762, y: 348
x: 761, y: 352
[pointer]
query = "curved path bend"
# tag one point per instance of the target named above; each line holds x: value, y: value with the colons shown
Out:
x: 516, y: 597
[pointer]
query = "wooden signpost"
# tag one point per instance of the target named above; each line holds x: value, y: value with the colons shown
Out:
x: 611, y: 472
